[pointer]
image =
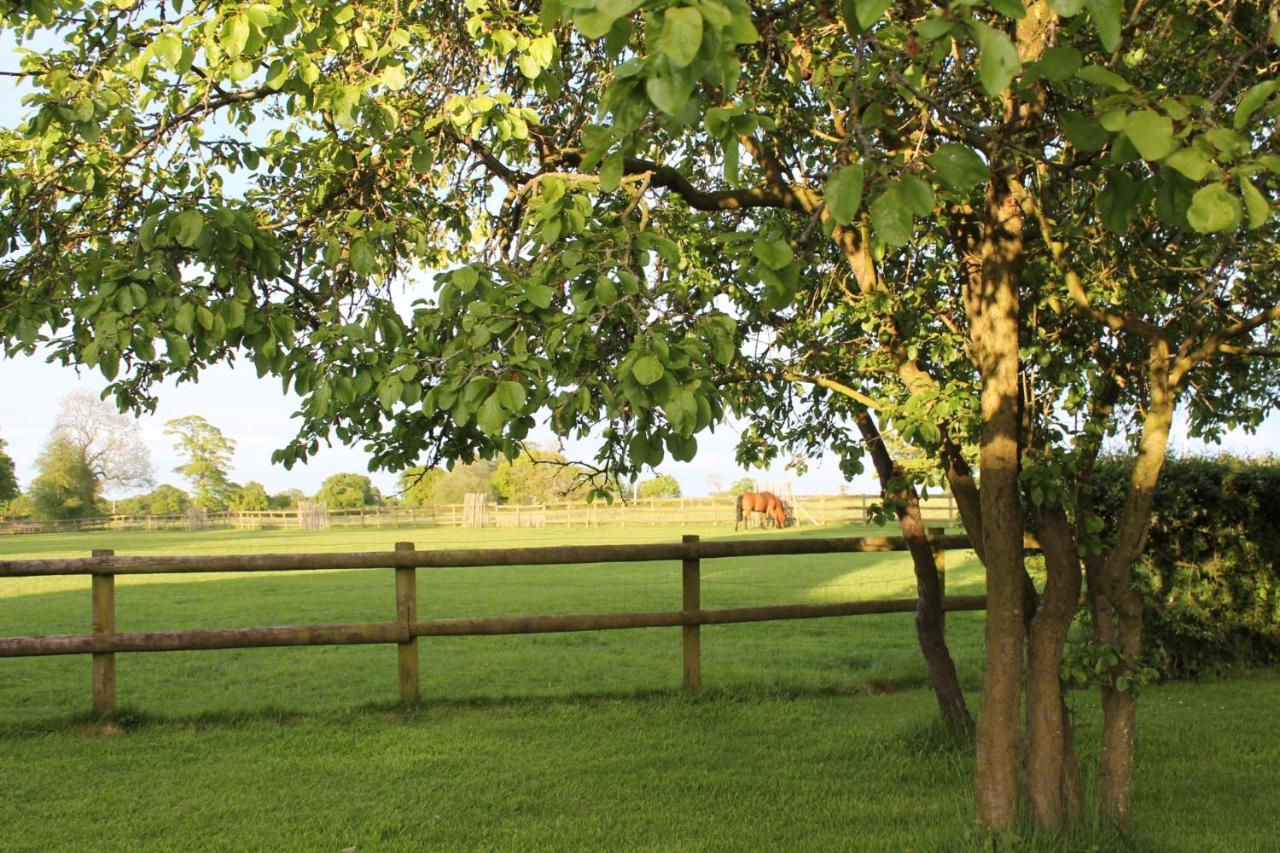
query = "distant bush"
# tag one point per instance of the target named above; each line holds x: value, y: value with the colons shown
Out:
x: 1210, y: 576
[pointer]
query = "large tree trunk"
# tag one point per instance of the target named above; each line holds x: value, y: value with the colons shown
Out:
x: 1053, y: 778
x: 930, y: 626
x: 994, y: 314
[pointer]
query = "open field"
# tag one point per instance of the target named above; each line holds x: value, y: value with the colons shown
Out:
x: 812, y: 734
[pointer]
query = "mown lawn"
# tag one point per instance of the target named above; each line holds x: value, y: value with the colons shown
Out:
x: 808, y: 735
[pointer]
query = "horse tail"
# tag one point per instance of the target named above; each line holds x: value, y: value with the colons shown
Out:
x: 738, y: 519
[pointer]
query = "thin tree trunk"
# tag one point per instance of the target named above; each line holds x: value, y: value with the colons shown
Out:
x: 1117, y: 607
x: 930, y: 631
x: 994, y: 319
x: 1052, y: 772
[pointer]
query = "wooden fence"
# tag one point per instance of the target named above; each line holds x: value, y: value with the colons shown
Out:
x: 404, y: 630
x: 808, y: 510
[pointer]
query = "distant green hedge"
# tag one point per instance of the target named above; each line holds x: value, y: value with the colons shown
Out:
x: 1210, y: 576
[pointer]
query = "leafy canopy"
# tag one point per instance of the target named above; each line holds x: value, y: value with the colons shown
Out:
x: 644, y: 217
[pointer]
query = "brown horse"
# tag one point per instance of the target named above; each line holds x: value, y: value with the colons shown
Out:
x: 765, y: 502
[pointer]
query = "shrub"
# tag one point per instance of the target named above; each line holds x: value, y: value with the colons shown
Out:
x: 1210, y: 575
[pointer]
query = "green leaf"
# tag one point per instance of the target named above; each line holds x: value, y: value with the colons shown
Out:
x: 592, y: 24
x: 491, y: 417
x: 389, y: 391
x: 539, y: 294
x: 891, y: 218
x: 1214, y: 208
x: 1083, y: 133
x: 998, y: 61
x: 741, y: 29
x: 681, y: 34
x: 234, y: 35
x: 511, y: 395
x: 1099, y: 76
x: 869, y: 11
x: 669, y: 93
x: 843, y: 193
x: 648, y: 370
x: 168, y: 49
x: 1118, y: 201
x: 1255, y: 203
x: 465, y: 278
x: 611, y: 172
x: 1059, y: 63
x: 1106, y: 19
x: 543, y: 50
x: 393, y: 77
x: 1066, y: 8
x: 934, y: 27
x: 775, y: 254
x: 958, y: 165
x: 184, y: 319
x: 1009, y: 8
x: 187, y: 227
x: 1150, y: 133
x: 1251, y: 100
x: 1190, y: 161
x: 917, y: 194
x: 1173, y: 198
x: 363, y: 260
x: 681, y: 410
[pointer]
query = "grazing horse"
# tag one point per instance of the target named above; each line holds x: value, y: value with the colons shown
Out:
x: 765, y: 502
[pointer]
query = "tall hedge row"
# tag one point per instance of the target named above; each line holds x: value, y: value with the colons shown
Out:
x: 1210, y: 575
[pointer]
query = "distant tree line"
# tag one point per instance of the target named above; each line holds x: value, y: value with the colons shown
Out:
x: 94, y: 453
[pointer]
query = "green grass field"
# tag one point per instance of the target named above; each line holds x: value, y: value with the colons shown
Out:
x: 811, y: 734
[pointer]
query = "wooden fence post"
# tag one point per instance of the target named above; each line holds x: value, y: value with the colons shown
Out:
x: 104, y: 622
x: 940, y: 565
x: 406, y: 615
x: 692, y: 601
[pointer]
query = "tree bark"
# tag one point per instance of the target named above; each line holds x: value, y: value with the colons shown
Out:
x: 1052, y: 773
x: 994, y: 318
x: 1117, y: 607
x: 930, y: 630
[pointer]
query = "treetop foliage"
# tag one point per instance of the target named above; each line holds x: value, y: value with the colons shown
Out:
x: 644, y: 217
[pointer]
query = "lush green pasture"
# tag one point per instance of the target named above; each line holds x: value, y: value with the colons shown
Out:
x: 866, y: 653
x: 809, y: 735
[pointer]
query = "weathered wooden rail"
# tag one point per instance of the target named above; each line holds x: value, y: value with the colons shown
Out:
x: 104, y: 641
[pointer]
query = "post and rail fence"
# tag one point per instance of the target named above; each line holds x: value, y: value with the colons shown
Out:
x: 815, y: 510
x: 104, y: 642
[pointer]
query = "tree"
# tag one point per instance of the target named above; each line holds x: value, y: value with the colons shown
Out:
x: 252, y: 496
x: 20, y: 507
x: 208, y: 454
x: 288, y: 499
x: 442, y: 486
x: 538, y: 476
x: 348, y: 491
x: 8, y: 477
x: 1024, y: 228
x: 164, y: 500
x: 64, y: 485
x: 418, y: 485
x: 112, y: 442
x: 661, y: 486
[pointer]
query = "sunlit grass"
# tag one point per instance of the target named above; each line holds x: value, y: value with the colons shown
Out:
x: 808, y: 735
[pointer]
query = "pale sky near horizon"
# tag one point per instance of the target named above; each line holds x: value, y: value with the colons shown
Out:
x: 257, y: 416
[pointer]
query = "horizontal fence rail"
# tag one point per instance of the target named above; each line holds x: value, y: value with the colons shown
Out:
x: 104, y: 641
x: 464, y: 557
